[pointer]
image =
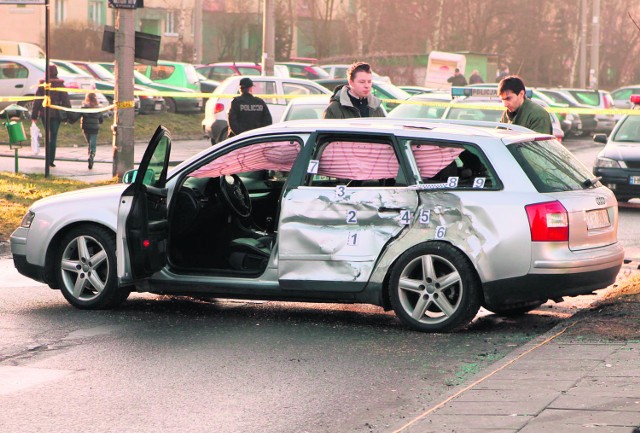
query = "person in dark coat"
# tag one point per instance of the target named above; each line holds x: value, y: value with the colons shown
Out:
x: 247, y: 112
x: 457, y: 79
x: 56, y: 116
x: 90, y: 122
x: 355, y: 98
x: 475, y: 77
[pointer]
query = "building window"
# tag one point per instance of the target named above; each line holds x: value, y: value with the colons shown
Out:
x: 169, y: 23
x: 96, y: 15
x: 60, y: 11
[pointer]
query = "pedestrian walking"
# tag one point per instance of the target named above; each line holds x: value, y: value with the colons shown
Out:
x: 90, y: 122
x: 520, y: 110
x: 354, y: 99
x: 247, y: 112
x: 56, y: 116
x: 475, y: 77
x: 457, y: 79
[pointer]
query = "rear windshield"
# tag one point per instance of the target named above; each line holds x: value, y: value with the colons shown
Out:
x: 550, y: 166
x: 589, y: 97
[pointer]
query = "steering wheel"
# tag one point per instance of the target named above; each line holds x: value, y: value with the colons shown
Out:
x: 235, y: 194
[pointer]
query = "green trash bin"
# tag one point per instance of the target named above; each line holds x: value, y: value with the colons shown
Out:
x: 16, y: 131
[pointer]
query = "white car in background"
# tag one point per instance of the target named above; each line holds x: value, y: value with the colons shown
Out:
x: 215, y: 123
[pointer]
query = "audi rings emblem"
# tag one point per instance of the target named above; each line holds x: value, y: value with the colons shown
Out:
x: 600, y: 201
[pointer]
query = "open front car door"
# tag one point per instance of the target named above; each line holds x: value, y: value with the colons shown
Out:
x: 142, y: 214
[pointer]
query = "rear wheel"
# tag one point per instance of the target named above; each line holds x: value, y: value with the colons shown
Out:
x: 434, y: 288
x: 86, y: 269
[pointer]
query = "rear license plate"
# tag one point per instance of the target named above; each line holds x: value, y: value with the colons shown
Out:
x: 634, y: 180
x: 597, y: 219
x: 158, y: 106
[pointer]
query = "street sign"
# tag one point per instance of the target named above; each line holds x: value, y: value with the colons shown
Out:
x: 125, y: 4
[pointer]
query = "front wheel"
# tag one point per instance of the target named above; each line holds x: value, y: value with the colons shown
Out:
x: 171, y: 105
x: 434, y: 288
x: 86, y: 269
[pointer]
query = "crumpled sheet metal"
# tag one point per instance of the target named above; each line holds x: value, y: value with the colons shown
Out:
x: 463, y: 228
x: 316, y: 242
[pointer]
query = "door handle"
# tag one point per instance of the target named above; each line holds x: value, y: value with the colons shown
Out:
x: 19, y: 86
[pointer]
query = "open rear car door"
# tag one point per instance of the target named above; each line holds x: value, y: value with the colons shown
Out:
x: 142, y: 214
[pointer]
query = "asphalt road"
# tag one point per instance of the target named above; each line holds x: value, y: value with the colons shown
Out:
x: 182, y: 365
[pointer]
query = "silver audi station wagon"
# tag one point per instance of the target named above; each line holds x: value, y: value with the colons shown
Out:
x: 430, y: 218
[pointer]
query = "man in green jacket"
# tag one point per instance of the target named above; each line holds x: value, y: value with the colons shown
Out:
x: 354, y: 99
x: 520, y: 110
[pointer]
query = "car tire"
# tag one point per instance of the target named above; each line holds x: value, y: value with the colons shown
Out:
x: 433, y: 287
x: 514, y: 310
x: 86, y: 269
x: 29, y: 106
x: 171, y: 105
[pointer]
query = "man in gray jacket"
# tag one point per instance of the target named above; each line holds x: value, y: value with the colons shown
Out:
x: 355, y: 99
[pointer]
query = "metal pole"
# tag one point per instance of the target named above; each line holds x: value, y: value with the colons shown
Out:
x: 123, y: 145
x: 268, y: 37
x: 46, y: 89
x: 595, y: 44
x: 583, y: 44
x: 197, y: 31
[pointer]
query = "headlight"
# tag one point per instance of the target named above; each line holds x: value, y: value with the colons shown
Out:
x: 606, y: 163
x: 27, y: 219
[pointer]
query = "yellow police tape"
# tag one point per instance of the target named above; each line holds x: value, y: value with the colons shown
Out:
x: 130, y: 104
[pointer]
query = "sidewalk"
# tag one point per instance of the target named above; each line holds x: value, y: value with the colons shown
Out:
x: 71, y: 162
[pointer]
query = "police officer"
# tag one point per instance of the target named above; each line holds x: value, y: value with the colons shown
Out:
x: 247, y: 111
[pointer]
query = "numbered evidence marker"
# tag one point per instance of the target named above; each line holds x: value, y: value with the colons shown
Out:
x: 441, y: 231
x: 405, y: 217
x: 341, y: 191
x: 452, y: 182
x: 425, y: 216
x: 313, y: 166
x: 352, y: 217
x: 352, y: 240
x: 478, y: 182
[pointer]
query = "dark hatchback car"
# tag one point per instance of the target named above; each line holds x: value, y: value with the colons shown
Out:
x: 618, y: 163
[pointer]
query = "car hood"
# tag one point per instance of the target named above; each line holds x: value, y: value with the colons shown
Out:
x: 105, y: 195
x: 621, y: 151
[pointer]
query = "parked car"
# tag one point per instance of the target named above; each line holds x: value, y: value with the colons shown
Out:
x: 622, y: 98
x: 428, y: 218
x: 618, y: 163
x: 340, y: 71
x: 174, y: 101
x: 150, y: 100
x: 23, y: 49
x: 379, y: 89
x: 222, y: 70
x: 65, y: 67
x: 423, y: 106
x: 568, y: 121
x: 308, y: 71
x: 598, y: 99
x: 309, y: 107
x: 20, y: 76
x: 215, y: 123
x: 178, y: 74
x: 588, y: 123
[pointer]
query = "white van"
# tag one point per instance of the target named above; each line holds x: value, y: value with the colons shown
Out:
x: 23, y: 49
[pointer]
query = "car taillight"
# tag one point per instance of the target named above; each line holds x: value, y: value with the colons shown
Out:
x: 219, y: 108
x: 635, y: 99
x: 549, y: 222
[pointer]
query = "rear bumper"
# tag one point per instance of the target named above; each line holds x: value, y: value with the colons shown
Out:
x: 580, y: 273
x: 540, y: 287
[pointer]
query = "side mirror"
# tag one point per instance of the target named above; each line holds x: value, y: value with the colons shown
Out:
x: 600, y: 138
x: 130, y: 177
